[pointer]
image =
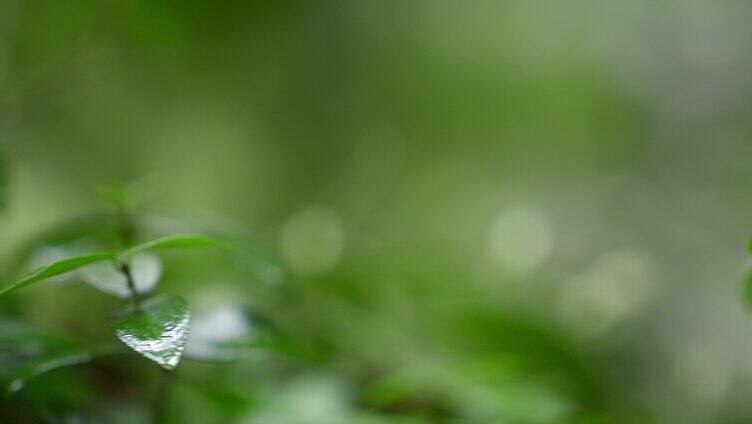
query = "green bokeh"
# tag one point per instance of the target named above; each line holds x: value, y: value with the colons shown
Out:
x: 482, y: 212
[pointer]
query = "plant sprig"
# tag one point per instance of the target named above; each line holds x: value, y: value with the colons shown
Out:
x: 73, y: 263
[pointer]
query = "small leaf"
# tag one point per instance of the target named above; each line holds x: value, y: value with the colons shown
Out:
x: 177, y: 241
x: 57, y: 268
x: 158, y: 329
x: 146, y: 269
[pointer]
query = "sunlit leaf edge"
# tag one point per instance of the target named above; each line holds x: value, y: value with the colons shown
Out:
x: 265, y: 267
x: 176, y: 241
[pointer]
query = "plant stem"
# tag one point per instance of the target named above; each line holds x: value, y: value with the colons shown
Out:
x: 162, y: 397
x: 126, y: 270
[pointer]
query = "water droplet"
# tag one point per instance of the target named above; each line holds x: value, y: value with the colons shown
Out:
x: 158, y: 331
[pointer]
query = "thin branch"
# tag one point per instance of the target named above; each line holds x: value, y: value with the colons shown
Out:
x: 126, y: 270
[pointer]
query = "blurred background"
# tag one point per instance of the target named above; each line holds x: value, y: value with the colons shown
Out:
x: 486, y: 212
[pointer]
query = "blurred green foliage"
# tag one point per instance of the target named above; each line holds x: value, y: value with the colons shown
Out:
x: 452, y: 212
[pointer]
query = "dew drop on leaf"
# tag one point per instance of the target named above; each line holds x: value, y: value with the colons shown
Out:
x: 158, y: 330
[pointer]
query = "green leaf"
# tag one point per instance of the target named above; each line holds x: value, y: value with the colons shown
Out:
x: 49, y: 254
x: 27, y: 352
x: 262, y: 264
x: 19, y: 379
x: 176, y: 241
x: 57, y: 268
x: 157, y: 329
x: 97, y: 229
x: 244, y: 247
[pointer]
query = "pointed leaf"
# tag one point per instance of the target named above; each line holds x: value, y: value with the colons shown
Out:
x: 57, y: 268
x: 176, y: 241
x: 94, y: 232
x: 158, y: 330
x: 48, y: 254
x: 261, y: 262
x: 146, y: 269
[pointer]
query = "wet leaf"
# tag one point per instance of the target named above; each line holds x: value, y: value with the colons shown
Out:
x: 57, y: 268
x: 158, y: 329
x: 230, y: 333
x: 146, y: 269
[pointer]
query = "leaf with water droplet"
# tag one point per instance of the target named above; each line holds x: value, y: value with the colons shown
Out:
x: 158, y: 329
x: 146, y: 269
